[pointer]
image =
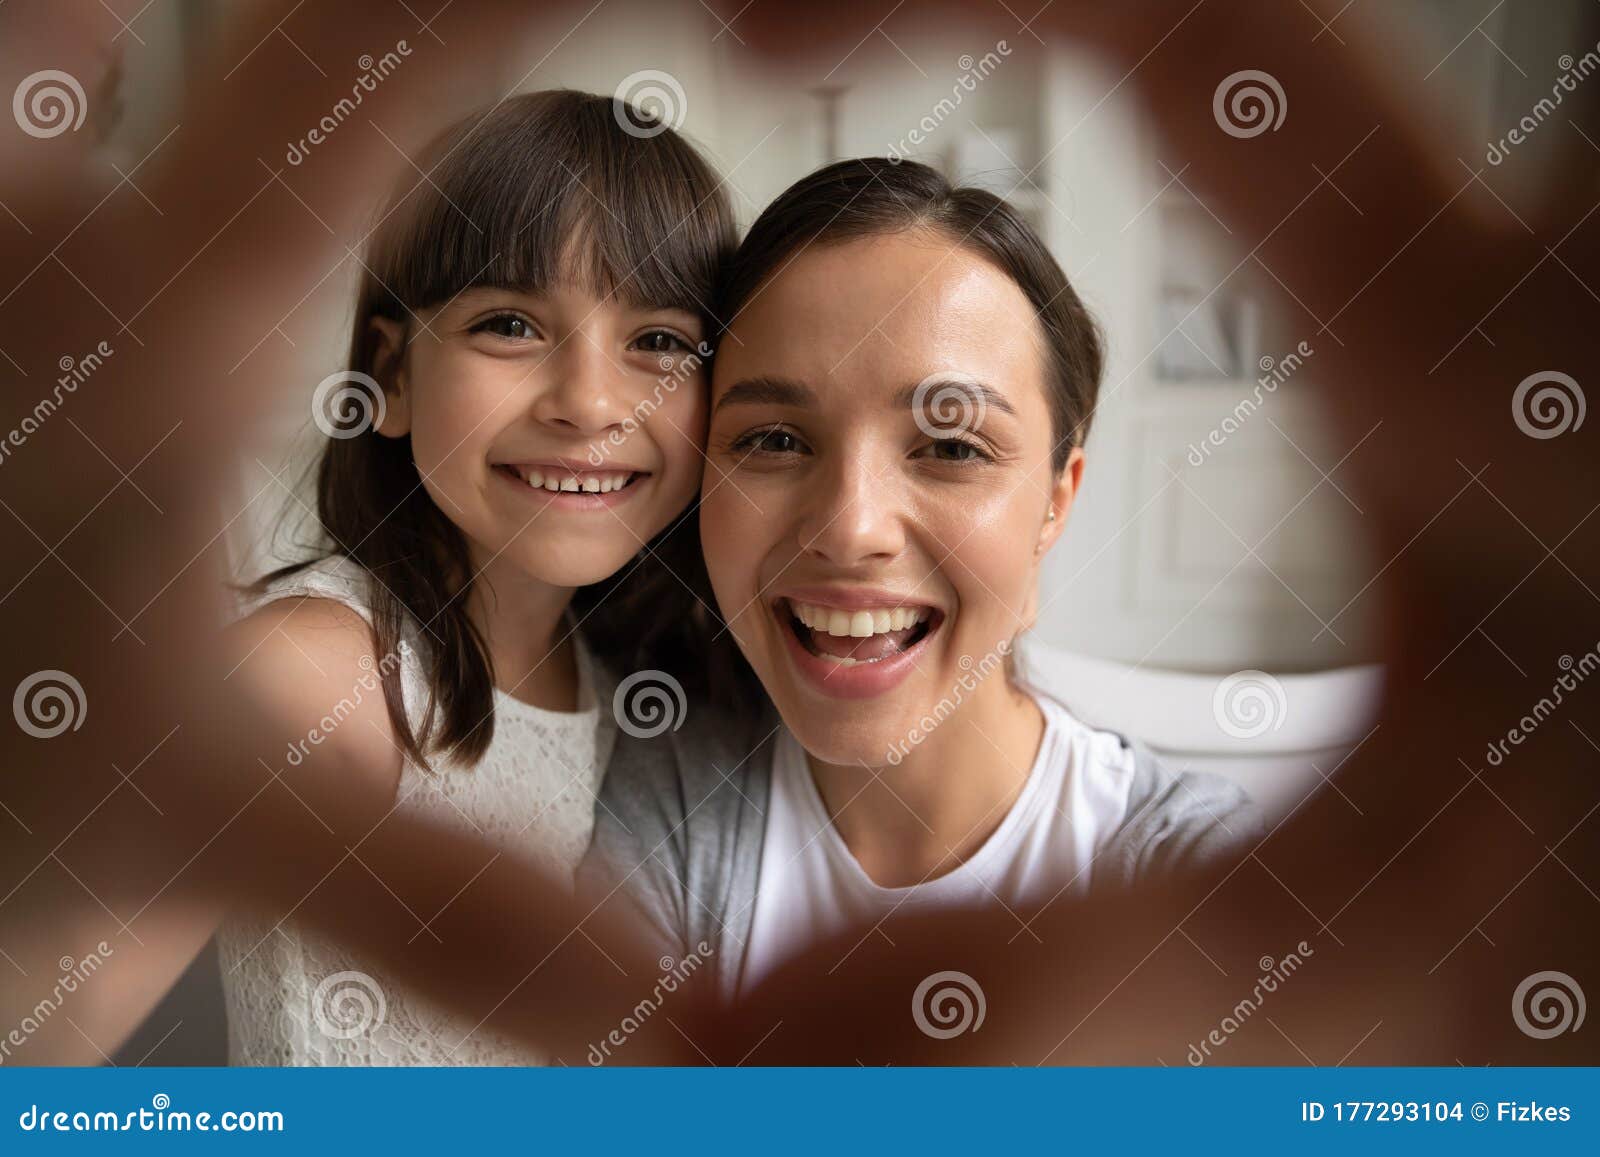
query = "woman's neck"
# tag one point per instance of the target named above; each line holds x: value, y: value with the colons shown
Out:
x: 520, y: 619
x: 921, y: 818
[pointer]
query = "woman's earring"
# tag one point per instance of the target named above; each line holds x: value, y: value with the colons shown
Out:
x: 1052, y: 516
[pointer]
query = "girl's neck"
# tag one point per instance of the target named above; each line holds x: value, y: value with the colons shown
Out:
x: 921, y: 818
x: 521, y: 620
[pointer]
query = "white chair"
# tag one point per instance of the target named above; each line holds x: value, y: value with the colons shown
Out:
x: 1277, y: 736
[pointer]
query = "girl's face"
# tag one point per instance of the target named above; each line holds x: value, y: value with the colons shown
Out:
x: 560, y: 431
x: 879, y: 484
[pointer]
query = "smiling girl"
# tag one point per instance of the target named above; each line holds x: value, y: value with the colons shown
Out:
x: 899, y: 410
x: 484, y: 540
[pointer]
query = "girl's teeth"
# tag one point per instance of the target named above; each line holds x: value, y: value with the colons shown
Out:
x: 587, y: 484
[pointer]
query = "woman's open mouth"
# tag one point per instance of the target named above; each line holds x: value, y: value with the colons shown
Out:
x: 856, y: 652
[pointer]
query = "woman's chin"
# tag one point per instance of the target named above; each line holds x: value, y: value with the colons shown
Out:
x: 835, y: 739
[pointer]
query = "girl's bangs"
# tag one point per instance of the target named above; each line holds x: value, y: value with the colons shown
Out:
x: 550, y: 189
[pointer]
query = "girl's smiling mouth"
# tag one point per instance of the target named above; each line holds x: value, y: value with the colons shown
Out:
x: 563, y: 484
x: 854, y: 644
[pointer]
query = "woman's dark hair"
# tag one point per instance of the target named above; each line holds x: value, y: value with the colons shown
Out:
x: 543, y: 189
x: 871, y: 196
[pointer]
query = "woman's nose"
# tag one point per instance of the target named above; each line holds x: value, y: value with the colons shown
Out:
x: 854, y: 514
x: 585, y: 389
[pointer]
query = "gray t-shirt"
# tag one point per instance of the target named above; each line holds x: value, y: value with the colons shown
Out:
x: 681, y: 821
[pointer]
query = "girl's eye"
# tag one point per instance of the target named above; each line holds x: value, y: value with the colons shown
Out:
x: 506, y: 325
x: 661, y: 341
x: 771, y: 441
x: 956, y: 450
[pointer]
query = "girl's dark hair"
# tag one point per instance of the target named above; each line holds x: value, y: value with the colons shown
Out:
x: 543, y: 189
x: 871, y: 196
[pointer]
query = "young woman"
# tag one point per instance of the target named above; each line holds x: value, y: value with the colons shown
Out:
x: 543, y: 289
x: 899, y: 408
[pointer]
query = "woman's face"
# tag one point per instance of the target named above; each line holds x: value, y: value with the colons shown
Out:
x: 879, y: 483
x: 560, y: 431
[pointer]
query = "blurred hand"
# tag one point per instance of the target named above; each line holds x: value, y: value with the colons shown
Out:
x: 1425, y: 908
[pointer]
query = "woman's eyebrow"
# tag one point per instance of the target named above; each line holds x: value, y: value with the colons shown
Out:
x: 934, y: 389
x: 766, y: 391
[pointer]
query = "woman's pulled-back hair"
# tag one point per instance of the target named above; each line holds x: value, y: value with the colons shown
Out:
x: 543, y: 189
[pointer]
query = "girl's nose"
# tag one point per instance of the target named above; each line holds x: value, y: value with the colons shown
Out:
x: 585, y: 390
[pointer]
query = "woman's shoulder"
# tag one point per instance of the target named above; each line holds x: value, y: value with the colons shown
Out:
x: 678, y: 749
x: 687, y: 782
x: 1172, y: 818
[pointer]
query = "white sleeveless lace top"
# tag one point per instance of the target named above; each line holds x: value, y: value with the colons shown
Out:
x: 294, y: 998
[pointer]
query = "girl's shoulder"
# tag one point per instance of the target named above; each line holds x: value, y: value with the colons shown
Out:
x: 305, y: 643
x: 328, y: 603
x: 336, y: 578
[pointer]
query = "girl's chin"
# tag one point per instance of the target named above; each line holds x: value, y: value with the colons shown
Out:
x: 554, y: 555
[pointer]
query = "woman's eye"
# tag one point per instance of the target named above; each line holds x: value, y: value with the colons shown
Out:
x: 956, y: 450
x: 660, y: 341
x: 774, y: 441
x: 506, y: 325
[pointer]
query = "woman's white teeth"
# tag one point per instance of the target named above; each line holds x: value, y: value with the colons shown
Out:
x: 572, y: 483
x: 858, y: 624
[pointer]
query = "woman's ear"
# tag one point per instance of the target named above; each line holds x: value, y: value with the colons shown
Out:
x: 1061, y: 496
x: 388, y: 338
